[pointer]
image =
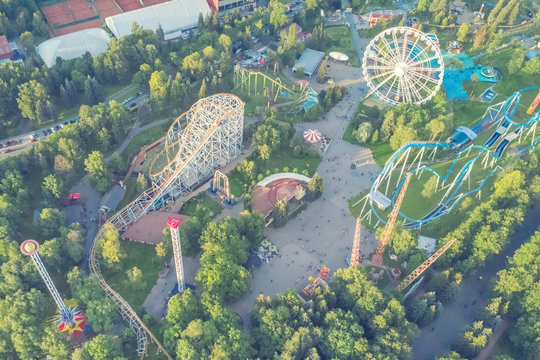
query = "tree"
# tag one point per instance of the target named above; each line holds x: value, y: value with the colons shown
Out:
x: 402, y: 241
x: 34, y: 101
x: 142, y: 183
x: 363, y: 132
x: 142, y: 77
x: 202, y: 90
x: 423, y: 5
x: 463, y: 32
x: 322, y: 74
x: 451, y: 356
x: 311, y: 4
x: 315, y: 186
x: 55, y: 344
x: 164, y: 248
x: 103, y: 347
x: 93, y: 93
x: 159, y: 90
x: 135, y: 276
x: 144, y: 112
x: 480, y: 37
x: 53, y: 188
x: 430, y: 187
x: 252, y: 225
x: 280, y: 212
x: 209, y: 52
x: 425, y: 309
x: 513, y: 15
x: 50, y: 221
x: 473, y: 340
x: 99, y: 173
x: 28, y: 42
x: 225, y: 42
x: 247, y: 169
x: 193, y: 63
x: 402, y: 135
x: 496, y: 41
x: 532, y: 66
x: 516, y: 61
x: 278, y: 18
x: 74, y: 242
x: 110, y: 246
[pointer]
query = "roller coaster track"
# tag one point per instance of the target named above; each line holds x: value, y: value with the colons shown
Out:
x: 221, y: 116
x: 502, y: 115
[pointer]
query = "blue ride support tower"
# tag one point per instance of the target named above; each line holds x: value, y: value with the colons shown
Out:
x: 68, y: 318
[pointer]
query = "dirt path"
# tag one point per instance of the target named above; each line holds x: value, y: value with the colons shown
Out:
x: 487, y: 353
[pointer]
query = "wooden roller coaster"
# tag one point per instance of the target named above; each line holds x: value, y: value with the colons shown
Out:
x: 146, y: 202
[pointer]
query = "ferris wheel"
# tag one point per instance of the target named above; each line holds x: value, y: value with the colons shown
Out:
x: 403, y: 64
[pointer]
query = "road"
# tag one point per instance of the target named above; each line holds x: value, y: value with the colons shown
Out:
x: 471, y: 298
x: 25, y: 138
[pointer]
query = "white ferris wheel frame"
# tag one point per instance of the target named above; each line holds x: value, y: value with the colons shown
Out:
x: 403, y: 79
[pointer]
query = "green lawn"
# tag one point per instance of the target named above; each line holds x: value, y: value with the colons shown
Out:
x: 285, y: 158
x: 236, y: 182
x: 279, y: 160
x: 144, y: 138
x: 342, y: 41
x: 142, y: 256
x: 208, y: 205
x: 476, y: 88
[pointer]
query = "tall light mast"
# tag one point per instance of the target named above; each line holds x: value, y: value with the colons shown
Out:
x: 69, y: 320
x: 173, y: 224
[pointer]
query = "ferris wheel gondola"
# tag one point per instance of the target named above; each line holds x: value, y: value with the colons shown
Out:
x: 403, y: 64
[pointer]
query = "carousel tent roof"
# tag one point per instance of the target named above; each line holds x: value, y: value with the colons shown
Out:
x: 312, y: 135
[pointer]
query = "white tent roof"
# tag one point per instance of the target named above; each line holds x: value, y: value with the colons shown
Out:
x: 73, y: 45
x: 174, y: 16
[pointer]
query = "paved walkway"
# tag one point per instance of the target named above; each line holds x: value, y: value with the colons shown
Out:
x: 303, y: 242
x: 438, y: 337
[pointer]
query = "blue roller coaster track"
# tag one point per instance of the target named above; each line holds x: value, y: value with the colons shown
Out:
x: 504, y: 114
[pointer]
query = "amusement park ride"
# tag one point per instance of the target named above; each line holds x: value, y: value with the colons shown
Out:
x: 402, y: 64
x: 204, y: 138
x: 461, y: 165
x: 173, y: 224
x: 69, y: 321
x: 423, y: 267
x: 385, y: 236
x: 323, y: 275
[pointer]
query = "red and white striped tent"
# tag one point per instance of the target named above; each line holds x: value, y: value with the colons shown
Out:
x: 312, y: 135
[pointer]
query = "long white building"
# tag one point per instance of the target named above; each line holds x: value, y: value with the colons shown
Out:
x: 175, y: 17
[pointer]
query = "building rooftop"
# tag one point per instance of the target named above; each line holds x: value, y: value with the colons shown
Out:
x: 175, y: 17
x: 70, y: 46
x: 309, y: 61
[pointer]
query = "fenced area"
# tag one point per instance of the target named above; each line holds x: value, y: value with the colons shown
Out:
x: 73, y: 15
